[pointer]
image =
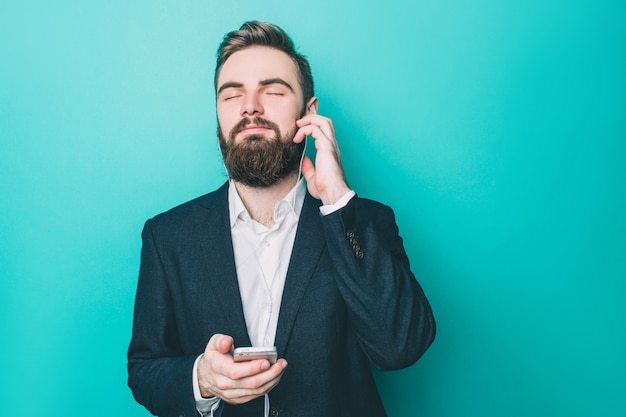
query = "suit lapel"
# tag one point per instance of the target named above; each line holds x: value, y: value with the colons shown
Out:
x: 307, y: 249
x: 216, y: 241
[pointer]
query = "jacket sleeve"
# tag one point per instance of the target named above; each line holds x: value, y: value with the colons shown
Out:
x: 387, y: 307
x: 159, y: 375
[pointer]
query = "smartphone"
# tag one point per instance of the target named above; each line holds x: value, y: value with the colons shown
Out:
x: 243, y: 354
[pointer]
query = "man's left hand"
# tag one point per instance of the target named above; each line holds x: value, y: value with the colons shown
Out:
x: 325, y: 179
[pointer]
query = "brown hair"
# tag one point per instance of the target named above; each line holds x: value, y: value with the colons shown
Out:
x: 255, y: 33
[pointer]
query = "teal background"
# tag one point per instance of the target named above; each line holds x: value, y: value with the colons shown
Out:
x: 496, y: 130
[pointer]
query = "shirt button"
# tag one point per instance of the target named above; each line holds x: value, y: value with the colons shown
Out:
x: 266, y: 243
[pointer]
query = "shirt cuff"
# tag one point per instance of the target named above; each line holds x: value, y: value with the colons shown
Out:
x: 341, y: 203
x: 205, y: 406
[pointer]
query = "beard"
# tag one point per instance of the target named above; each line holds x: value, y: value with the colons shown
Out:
x: 259, y: 161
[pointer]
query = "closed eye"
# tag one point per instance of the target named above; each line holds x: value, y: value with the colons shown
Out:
x: 229, y: 95
x: 229, y: 90
x: 276, y: 86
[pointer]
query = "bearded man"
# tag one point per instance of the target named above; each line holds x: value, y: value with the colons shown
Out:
x: 283, y: 255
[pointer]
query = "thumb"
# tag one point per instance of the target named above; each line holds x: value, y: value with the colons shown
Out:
x: 308, y: 170
x: 225, y: 344
x: 220, y: 342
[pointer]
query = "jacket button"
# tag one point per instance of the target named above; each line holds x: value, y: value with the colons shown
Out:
x: 273, y: 412
x: 350, y: 234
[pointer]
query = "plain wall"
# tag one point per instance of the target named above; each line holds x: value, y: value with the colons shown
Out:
x: 495, y: 129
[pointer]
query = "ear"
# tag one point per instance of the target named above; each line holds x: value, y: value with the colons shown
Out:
x: 311, y: 106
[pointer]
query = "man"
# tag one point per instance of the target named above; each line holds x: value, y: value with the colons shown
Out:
x: 269, y: 260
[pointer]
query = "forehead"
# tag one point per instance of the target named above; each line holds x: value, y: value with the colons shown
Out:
x: 258, y: 63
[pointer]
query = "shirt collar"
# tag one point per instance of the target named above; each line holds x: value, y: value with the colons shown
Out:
x: 294, y: 200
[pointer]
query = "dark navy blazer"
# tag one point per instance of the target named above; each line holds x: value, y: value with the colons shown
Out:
x: 349, y: 300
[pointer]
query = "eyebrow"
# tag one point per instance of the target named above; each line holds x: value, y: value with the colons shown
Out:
x: 230, y: 84
x: 269, y: 81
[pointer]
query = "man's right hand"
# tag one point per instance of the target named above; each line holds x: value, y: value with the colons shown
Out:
x: 235, y: 382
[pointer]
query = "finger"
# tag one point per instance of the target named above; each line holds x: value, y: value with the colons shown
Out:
x: 302, y: 133
x: 322, y: 141
x: 225, y: 344
x: 324, y: 123
x: 248, y: 394
x: 316, y: 119
x: 308, y: 169
x: 220, y: 343
x: 245, y: 389
x: 299, y: 136
x: 244, y: 395
x: 259, y: 380
x: 239, y: 371
x: 251, y: 386
x: 213, y: 343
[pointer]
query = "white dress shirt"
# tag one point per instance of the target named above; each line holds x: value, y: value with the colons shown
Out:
x: 262, y: 257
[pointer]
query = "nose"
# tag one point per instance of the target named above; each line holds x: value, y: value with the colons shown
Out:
x: 251, y: 105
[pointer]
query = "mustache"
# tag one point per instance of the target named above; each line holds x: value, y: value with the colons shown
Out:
x: 256, y: 120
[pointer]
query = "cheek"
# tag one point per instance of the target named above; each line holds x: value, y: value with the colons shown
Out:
x: 286, y: 116
x: 225, y: 122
